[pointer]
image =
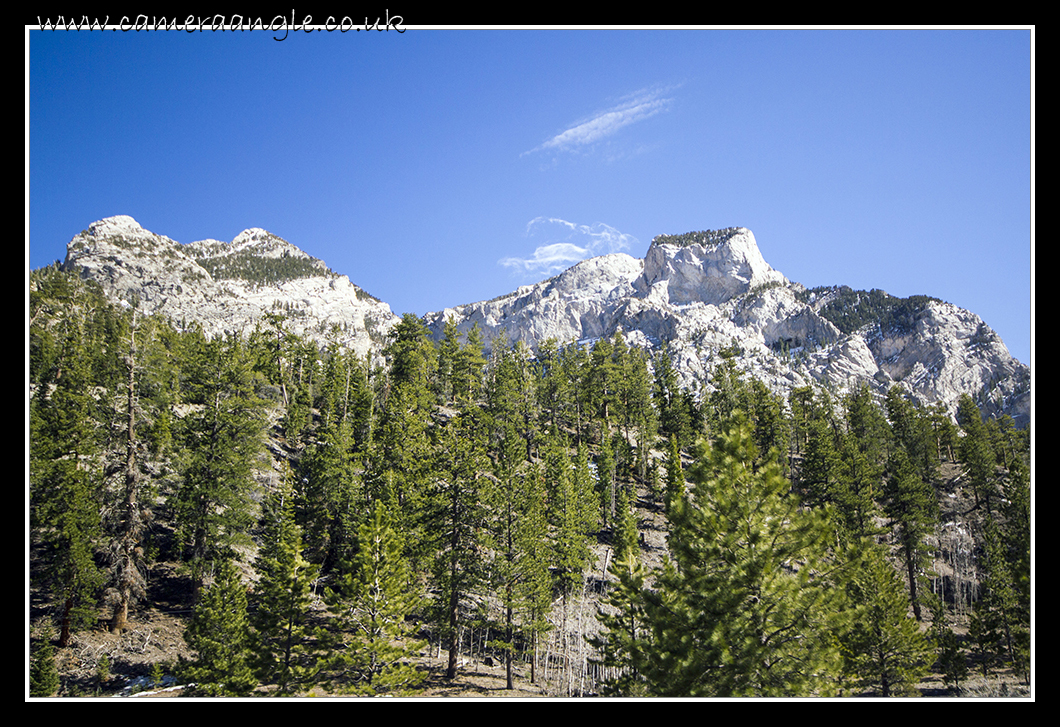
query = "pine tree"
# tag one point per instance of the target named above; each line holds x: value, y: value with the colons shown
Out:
x: 674, y: 418
x: 573, y: 511
x: 468, y: 368
x: 753, y: 598
x: 43, y: 673
x: 999, y: 628
x: 453, y: 519
x: 219, y: 633
x: 222, y: 440
x: 286, y: 648
x: 128, y: 522
x: 518, y: 530
x: 625, y: 640
x: 331, y: 497
x: 976, y: 454
x: 912, y: 508
x: 885, y: 649
x: 552, y: 387
x: 625, y: 529
x: 373, y: 603
x: 675, y: 476
x: 65, y: 481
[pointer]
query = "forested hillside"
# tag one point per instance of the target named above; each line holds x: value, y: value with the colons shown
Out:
x: 319, y: 525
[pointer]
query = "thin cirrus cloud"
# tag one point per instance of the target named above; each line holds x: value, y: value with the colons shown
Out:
x: 565, y: 243
x: 635, y: 107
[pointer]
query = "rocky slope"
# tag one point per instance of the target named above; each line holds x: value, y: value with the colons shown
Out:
x: 696, y: 293
x: 701, y: 292
x: 228, y: 286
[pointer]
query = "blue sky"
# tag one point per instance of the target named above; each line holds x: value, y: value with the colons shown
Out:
x: 438, y: 167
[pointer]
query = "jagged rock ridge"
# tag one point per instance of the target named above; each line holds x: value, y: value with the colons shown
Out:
x: 701, y: 292
x: 229, y: 286
x: 697, y: 293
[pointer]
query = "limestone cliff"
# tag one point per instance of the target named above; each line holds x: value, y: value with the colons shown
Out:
x: 704, y: 291
x: 229, y: 286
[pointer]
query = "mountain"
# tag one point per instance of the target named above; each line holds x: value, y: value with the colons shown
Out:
x: 697, y: 293
x: 702, y: 292
x: 228, y: 286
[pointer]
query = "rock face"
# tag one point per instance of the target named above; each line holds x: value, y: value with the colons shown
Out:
x: 697, y: 294
x: 702, y: 292
x: 228, y: 286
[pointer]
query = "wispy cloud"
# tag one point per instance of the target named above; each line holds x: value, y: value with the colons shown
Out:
x: 564, y: 243
x: 633, y: 108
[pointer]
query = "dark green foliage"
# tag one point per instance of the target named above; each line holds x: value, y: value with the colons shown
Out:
x: 1000, y: 628
x: 625, y: 641
x: 849, y: 310
x: 484, y: 469
x: 453, y: 519
x: 912, y: 431
x: 222, y: 439
x: 675, y: 420
x: 976, y: 453
x: 331, y: 497
x: 220, y: 635
x: 286, y: 649
x: 708, y: 238
x: 884, y: 648
x: 251, y: 266
x: 573, y: 511
x: 65, y: 485
x: 912, y: 507
x: 373, y: 603
x: 675, y: 476
x: 750, y: 604
x: 43, y: 674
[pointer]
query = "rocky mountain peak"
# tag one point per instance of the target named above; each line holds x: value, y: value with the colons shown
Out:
x: 708, y: 267
x: 704, y: 292
x: 698, y: 294
x: 229, y: 286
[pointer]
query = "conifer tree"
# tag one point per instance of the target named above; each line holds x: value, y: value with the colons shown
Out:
x: 518, y: 534
x: 453, y: 519
x: 912, y: 508
x: 675, y: 476
x: 674, y: 418
x: 552, y: 385
x: 603, y: 379
x: 219, y: 633
x: 331, y: 497
x: 753, y: 598
x: 573, y: 506
x: 913, y: 432
x: 448, y: 351
x: 976, y: 454
x: 373, y: 603
x: 884, y: 649
x: 128, y: 523
x: 286, y: 649
x: 625, y: 530
x: 821, y: 463
x: 606, y: 480
x: 999, y: 627
x: 222, y: 440
x: 625, y: 640
x: 65, y: 480
x: 43, y: 674
x: 468, y: 368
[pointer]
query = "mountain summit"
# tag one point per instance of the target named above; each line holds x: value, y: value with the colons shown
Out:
x: 228, y: 286
x: 698, y: 294
x: 704, y: 292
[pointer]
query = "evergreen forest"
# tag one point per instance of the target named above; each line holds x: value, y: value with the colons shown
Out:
x: 318, y: 523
